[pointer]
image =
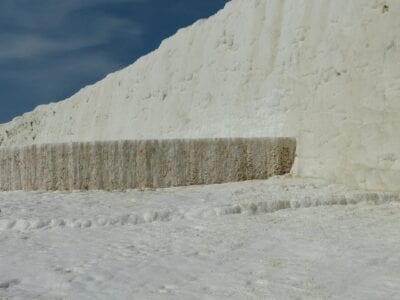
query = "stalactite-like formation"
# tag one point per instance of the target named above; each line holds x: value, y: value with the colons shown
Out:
x: 120, y: 165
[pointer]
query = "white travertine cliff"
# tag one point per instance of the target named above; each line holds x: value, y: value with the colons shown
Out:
x: 324, y: 71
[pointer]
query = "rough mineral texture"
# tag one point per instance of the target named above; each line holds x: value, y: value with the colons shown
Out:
x: 324, y: 71
x: 117, y: 165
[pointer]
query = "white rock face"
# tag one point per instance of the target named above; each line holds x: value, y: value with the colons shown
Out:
x: 326, y: 72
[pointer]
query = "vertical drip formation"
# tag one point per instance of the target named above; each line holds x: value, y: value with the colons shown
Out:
x: 119, y: 165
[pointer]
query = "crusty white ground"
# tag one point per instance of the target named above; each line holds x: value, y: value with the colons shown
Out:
x: 278, y: 239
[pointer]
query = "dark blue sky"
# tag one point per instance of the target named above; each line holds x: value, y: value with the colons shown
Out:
x: 49, y: 49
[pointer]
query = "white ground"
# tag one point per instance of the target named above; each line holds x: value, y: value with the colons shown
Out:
x: 278, y: 239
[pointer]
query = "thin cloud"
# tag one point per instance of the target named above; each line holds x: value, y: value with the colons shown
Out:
x: 37, y: 13
x: 21, y: 46
x: 70, y: 33
x: 98, y: 31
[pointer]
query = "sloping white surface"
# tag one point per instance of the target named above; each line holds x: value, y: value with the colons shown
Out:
x: 326, y: 72
x: 230, y: 241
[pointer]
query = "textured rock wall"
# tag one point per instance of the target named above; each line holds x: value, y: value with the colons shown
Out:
x: 147, y: 163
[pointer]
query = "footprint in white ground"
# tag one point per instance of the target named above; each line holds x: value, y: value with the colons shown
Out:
x: 9, y: 283
x: 167, y: 289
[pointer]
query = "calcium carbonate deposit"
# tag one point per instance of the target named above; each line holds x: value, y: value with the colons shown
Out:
x: 326, y: 72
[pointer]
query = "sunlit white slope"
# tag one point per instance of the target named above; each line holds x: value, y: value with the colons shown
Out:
x: 326, y: 72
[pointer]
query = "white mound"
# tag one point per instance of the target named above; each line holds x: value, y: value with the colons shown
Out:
x: 326, y: 72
